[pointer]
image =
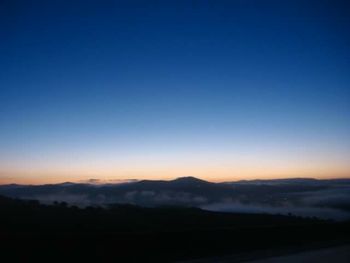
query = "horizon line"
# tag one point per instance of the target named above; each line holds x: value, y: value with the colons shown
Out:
x: 131, y: 180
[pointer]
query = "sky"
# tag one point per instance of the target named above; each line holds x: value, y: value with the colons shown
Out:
x: 221, y: 90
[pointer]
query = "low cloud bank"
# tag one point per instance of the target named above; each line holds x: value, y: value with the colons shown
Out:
x: 154, y: 198
x: 107, y: 181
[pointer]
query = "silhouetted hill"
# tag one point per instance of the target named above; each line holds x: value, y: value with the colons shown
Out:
x: 179, y: 182
x: 190, y: 180
x: 278, y: 181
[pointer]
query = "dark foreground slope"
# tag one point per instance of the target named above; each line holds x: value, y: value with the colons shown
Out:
x: 30, y: 231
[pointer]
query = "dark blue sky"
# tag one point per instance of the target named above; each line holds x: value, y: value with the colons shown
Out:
x: 216, y: 89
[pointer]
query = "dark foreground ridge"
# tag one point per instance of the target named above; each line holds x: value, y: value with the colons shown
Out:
x: 125, y: 233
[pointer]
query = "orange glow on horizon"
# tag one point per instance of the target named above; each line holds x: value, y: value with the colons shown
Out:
x: 215, y: 173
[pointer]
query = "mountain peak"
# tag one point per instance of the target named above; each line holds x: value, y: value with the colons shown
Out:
x: 189, y: 179
x: 66, y: 184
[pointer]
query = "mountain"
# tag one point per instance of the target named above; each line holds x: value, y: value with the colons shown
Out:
x: 190, y: 180
x: 190, y: 184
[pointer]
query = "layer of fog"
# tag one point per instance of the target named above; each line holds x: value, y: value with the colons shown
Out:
x: 331, y: 202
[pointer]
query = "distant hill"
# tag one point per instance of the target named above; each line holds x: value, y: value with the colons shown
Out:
x: 280, y: 181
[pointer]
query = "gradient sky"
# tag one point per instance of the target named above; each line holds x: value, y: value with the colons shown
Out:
x: 221, y: 90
